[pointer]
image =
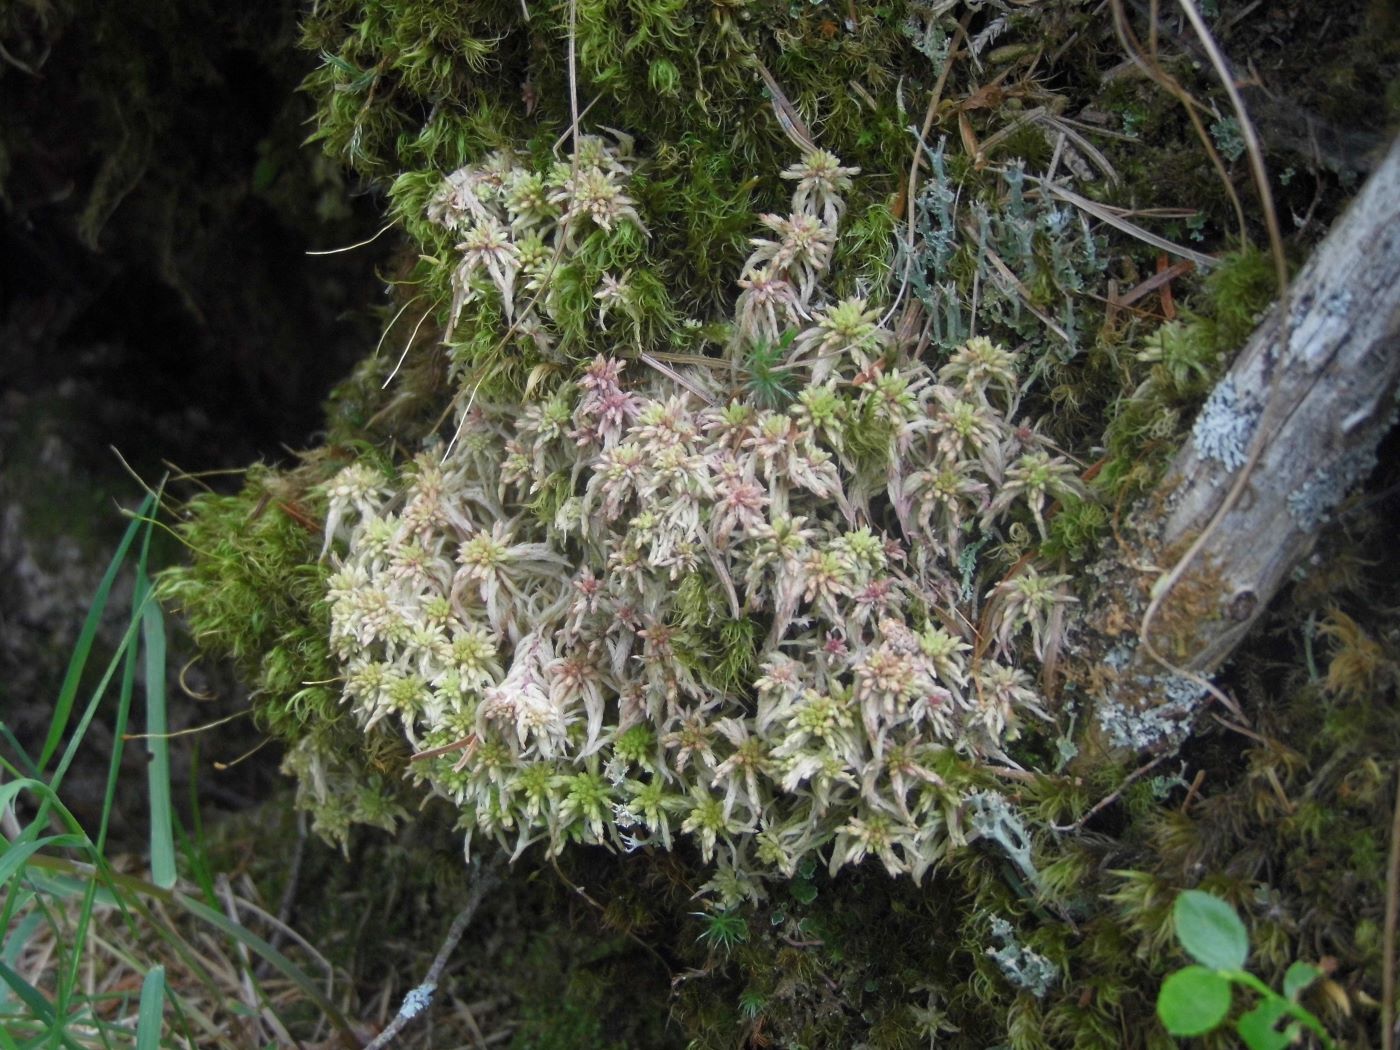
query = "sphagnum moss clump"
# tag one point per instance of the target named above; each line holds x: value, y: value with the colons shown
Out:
x: 573, y: 676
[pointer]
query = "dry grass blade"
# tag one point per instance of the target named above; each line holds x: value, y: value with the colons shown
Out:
x: 1014, y: 283
x: 794, y: 127
x: 1109, y: 216
x: 1065, y: 128
x: 1171, y: 578
x: 1148, y: 64
x: 1251, y: 142
x: 116, y: 958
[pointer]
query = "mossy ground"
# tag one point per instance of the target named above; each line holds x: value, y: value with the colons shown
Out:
x: 1286, y: 820
x: 1288, y: 823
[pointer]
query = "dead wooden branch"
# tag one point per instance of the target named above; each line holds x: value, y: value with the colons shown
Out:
x: 1289, y: 431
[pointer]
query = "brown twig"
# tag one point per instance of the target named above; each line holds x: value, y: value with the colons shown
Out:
x: 1193, y: 790
x: 1110, y: 798
x: 418, y: 998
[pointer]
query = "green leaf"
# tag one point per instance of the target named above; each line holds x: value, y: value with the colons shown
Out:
x: 14, y: 857
x: 68, y: 692
x: 163, y: 872
x: 1210, y: 931
x: 1298, y: 977
x: 1193, y: 1000
x: 15, y: 943
x: 148, y: 1019
x: 28, y: 994
x: 10, y: 791
x: 64, y: 887
x: 1256, y: 1027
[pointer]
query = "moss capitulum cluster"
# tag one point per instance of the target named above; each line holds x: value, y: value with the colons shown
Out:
x: 649, y: 604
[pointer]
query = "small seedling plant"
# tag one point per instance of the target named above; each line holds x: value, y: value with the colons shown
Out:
x: 1197, y: 999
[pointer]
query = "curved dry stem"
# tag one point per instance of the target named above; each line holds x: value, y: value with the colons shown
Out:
x: 1164, y: 584
x: 1130, y: 43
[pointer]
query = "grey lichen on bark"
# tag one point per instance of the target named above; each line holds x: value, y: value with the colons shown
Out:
x: 1288, y: 432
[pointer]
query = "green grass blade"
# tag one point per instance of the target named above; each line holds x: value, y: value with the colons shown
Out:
x: 128, y: 639
x: 14, y: 897
x: 68, y: 692
x: 136, y: 887
x: 18, y: 853
x: 149, y: 1017
x: 125, y: 691
x: 28, y: 994
x: 30, y: 769
x: 12, y: 788
x: 15, y: 943
x: 163, y: 872
x: 66, y: 888
x: 192, y: 841
x: 39, y: 1008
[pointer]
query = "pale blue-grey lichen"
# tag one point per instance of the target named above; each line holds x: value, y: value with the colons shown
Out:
x: 417, y: 1000
x: 1013, y: 234
x: 1312, y: 502
x: 1163, y: 724
x: 993, y: 819
x: 1225, y: 427
x: 1027, y: 970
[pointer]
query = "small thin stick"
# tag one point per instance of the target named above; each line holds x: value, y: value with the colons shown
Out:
x: 193, y: 694
x: 568, y: 132
x: 393, y: 321
x: 352, y: 247
x: 417, y: 1000
x: 406, y: 347
x: 935, y: 96
x: 172, y: 734
x: 1193, y: 790
x: 1251, y: 141
x: 1108, y: 799
x: 461, y: 425
x: 221, y: 766
x: 573, y: 74
x: 1392, y: 916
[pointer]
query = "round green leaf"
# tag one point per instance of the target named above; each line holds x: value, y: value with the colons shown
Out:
x: 1193, y: 1000
x: 1257, y: 1027
x: 1210, y: 931
x: 1298, y: 977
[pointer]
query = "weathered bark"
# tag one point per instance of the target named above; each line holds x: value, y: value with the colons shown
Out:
x: 1285, y: 435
